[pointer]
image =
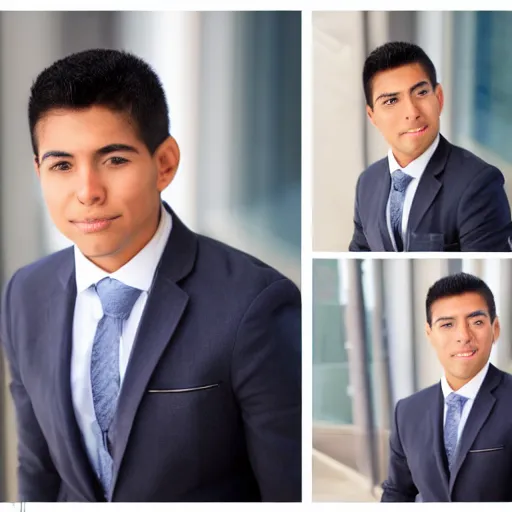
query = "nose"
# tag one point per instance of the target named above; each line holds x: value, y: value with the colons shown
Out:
x: 411, y: 110
x: 463, y: 333
x: 90, y: 188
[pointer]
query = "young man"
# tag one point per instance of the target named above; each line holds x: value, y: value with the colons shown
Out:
x: 453, y: 441
x: 148, y: 363
x: 426, y: 195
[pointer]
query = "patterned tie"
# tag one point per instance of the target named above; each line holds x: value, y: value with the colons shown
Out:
x: 117, y: 300
x: 400, y: 181
x: 455, y: 404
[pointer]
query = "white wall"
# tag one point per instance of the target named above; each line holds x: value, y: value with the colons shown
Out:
x: 338, y: 125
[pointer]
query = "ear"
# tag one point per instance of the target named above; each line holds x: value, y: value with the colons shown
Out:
x: 167, y: 159
x: 496, y: 329
x: 440, y: 97
x: 36, y: 166
x: 369, y: 112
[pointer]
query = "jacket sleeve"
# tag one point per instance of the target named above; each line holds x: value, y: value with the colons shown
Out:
x: 484, y: 214
x: 399, y: 486
x: 358, y: 242
x: 266, y: 376
x: 38, y: 479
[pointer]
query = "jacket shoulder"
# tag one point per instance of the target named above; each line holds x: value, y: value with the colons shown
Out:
x: 37, y: 274
x: 411, y: 404
x: 374, y: 170
x: 233, y: 265
x: 472, y: 164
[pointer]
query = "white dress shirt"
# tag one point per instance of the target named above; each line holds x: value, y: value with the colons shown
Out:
x: 414, y: 169
x: 469, y: 390
x: 138, y: 273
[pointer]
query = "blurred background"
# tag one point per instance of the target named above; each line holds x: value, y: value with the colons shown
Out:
x: 233, y: 85
x: 472, y: 53
x: 368, y: 354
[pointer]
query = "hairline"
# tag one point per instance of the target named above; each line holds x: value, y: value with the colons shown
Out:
x: 126, y: 113
x: 478, y: 292
x: 391, y: 68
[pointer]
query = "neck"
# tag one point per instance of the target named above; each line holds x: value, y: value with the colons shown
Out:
x: 455, y: 383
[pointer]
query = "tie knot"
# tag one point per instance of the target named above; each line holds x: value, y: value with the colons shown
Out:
x: 400, y: 180
x: 453, y: 399
x: 117, y: 299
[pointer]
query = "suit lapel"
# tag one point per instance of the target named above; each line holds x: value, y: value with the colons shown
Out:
x: 385, y: 186
x: 484, y: 403
x: 429, y: 185
x: 162, y: 313
x: 59, y: 325
x: 436, y: 418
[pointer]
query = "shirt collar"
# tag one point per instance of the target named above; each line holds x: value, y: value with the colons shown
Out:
x: 138, y: 272
x: 416, y: 167
x: 470, y: 389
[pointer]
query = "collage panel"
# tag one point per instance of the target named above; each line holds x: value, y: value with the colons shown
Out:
x: 150, y: 257
x: 395, y: 341
x: 411, y: 130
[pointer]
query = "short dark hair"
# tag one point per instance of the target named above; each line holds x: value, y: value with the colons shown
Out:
x: 393, y: 55
x: 458, y: 284
x: 114, y: 79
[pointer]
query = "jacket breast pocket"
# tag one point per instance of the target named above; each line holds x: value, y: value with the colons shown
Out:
x: 425, y: 242
x: 185, y: 389
x: 180, y: 397
x: 487, y: 450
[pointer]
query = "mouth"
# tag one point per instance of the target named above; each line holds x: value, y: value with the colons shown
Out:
x: 94, y: 225
x: 415, y: 132
x: 469, y: 354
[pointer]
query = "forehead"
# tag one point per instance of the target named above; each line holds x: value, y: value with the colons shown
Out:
x: 398, y: 79
x: 458, y: 305
x: 85, y: 129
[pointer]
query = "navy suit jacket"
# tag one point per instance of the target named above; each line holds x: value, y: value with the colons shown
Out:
x: 460, y: 205
x: 483, y: 465
x: 219, y: 338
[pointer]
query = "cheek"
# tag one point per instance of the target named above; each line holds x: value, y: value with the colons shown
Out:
x: 55, y: 193
x: 442, y: 346
x: 432, y: 111
x: 137, y: 191
x: 387, y: 124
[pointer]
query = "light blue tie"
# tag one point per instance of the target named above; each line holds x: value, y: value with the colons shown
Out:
x: 117, y: 300
x: 455, y: 404
x: 399, y: 183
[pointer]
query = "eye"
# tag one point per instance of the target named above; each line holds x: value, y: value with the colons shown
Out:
x: 447, y: 325
x: 423, y: 92
x: 117, y: 160
x: 479, y: 322
x: 61, y: 166
x: 391, y: 101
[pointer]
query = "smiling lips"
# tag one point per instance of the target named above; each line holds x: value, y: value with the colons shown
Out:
x: 465, y: 355
x: 94, y: 225
x: 415, y: 131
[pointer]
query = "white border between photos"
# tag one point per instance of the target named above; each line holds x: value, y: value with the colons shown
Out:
x: 322, y: 255
x: 236, y: 5
x: 223, y: 507
x: 307, y: 259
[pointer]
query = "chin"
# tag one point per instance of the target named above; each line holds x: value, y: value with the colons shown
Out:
x: 98, y: 252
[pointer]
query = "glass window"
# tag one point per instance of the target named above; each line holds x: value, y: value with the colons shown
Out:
x: 483, y: 80
x: 331, y: 392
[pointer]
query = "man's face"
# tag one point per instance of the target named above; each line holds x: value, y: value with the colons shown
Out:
x: 100, y: 183
x: 462, y: 335
x: 406, y: 110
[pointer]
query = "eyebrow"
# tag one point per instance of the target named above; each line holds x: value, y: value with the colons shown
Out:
x: 393, y: 94
x: 474, y: 314
x: 105, y: 150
